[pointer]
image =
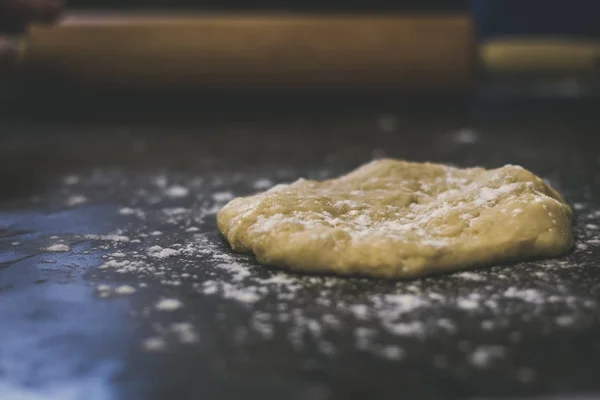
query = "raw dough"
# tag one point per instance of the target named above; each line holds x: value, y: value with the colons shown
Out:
x: 398, y: 219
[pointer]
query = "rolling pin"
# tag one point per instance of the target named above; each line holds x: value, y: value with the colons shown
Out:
x: 540, y: 56
x: 423, y: 53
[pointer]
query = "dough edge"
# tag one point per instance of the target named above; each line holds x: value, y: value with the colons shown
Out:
x: 305, y: 254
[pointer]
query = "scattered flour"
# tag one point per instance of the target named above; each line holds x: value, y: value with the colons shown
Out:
x: 132, y: 211
x: 172, y: 212
x: 392, y: 352
x: 233, y: 278
x: 107, y: 291
x: 484, y: 356
x: 222, y: 196
x: 125, y: 289
x: 154, y: 344
x: 565, y: 320
x: 470, y: 276
x: 57, y: 248
x: 104, y: 291
x: 382, y: 319
x: 169, y: 305
x: 262, y: 184
x: 468, y: 303
x: 185, y: 332
x: 177, y: 191
x: 159, y: 252
x: 76, y: 200
x: 111, y: 238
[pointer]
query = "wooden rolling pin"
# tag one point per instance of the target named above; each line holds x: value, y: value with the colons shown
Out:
x: 527, y: 57
x: 414, y: 53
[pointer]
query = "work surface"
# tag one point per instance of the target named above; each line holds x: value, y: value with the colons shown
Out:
x: 115, y: 283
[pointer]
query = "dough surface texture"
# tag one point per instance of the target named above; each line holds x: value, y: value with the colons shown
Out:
x: 397, y: 219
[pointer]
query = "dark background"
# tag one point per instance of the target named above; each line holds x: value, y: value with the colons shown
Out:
x: 57, y: 332
x: 495, y: 17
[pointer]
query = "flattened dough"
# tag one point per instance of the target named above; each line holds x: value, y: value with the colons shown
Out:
x: 397, y: 219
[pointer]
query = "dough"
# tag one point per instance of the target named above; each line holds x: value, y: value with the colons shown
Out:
x: 397, y: 219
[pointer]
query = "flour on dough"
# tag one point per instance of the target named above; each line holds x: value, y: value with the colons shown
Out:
x: 397, y: 219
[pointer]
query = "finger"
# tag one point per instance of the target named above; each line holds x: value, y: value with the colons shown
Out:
x: 25, y: 11
x: 9, y: 53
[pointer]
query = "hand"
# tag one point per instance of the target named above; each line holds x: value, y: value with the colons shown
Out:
x: 16, y: 14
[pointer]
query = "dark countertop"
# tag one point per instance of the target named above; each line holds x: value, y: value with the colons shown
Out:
x: 111, y: 316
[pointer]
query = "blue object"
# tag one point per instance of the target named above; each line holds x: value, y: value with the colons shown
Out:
x: 575, y: 18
